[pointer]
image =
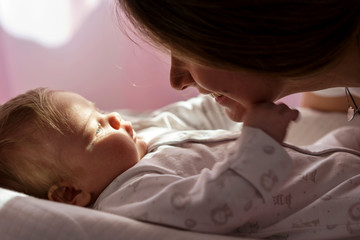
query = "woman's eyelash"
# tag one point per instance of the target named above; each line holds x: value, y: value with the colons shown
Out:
x: 98, y: 129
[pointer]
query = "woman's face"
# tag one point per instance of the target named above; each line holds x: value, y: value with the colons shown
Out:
x: 233, y: 90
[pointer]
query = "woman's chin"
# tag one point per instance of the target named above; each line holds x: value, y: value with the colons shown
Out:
x: 235, y: 115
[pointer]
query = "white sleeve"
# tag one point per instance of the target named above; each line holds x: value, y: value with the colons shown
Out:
x: 217, y: 200
x: 199, y: 113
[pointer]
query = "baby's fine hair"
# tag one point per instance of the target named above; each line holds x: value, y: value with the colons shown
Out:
x: 288, y: 38
x: 27, y: 163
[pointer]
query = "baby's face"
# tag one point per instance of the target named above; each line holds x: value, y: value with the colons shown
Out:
x: 100, y: 147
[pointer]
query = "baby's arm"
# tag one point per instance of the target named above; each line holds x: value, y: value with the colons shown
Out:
x: 272, y: 118
x: 200, y: 113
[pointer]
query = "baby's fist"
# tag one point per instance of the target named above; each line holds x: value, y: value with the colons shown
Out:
x: 272, y: 118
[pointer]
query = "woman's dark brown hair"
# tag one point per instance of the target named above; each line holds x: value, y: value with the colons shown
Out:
x: 282, y: 37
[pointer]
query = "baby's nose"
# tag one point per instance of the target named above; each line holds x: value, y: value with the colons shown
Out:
x: 114, y: 119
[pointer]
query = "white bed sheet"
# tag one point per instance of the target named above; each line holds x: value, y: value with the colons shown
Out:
x: 24, y: 217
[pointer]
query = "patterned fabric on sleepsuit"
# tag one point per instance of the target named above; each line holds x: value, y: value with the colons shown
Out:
x: 243, y: 184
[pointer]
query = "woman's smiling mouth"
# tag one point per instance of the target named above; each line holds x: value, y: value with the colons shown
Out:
x: 219, y: 98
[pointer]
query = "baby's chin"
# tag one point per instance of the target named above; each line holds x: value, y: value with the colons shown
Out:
x: 142, y: 147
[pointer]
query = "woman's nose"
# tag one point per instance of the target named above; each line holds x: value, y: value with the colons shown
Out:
x: 180, y: 78
x: 114, y: 120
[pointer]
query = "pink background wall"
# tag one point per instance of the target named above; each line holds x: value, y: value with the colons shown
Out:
x: 4, y: 88
x: 99, y: 62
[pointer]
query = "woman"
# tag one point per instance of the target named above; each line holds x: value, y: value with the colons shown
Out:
x: 244, y: 52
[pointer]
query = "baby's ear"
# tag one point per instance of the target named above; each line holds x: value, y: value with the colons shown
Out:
x: 65, y: 192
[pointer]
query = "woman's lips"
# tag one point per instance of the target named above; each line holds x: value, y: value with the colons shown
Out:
x: 218, y: 97
x: 214, y: 95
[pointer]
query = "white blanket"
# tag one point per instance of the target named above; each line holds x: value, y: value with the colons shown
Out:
x: 24, y: 217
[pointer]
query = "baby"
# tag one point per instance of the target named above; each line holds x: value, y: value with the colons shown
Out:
x: 197, y: 171
x: 71, y: 148
x: 58, y: 145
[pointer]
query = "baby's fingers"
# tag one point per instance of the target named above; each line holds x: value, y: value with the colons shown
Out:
x: 288, y: 113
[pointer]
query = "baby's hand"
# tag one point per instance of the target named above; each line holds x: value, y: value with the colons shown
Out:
x: 271, y: 118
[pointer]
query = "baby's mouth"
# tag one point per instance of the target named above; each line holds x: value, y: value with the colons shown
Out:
x: 134, y: 136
